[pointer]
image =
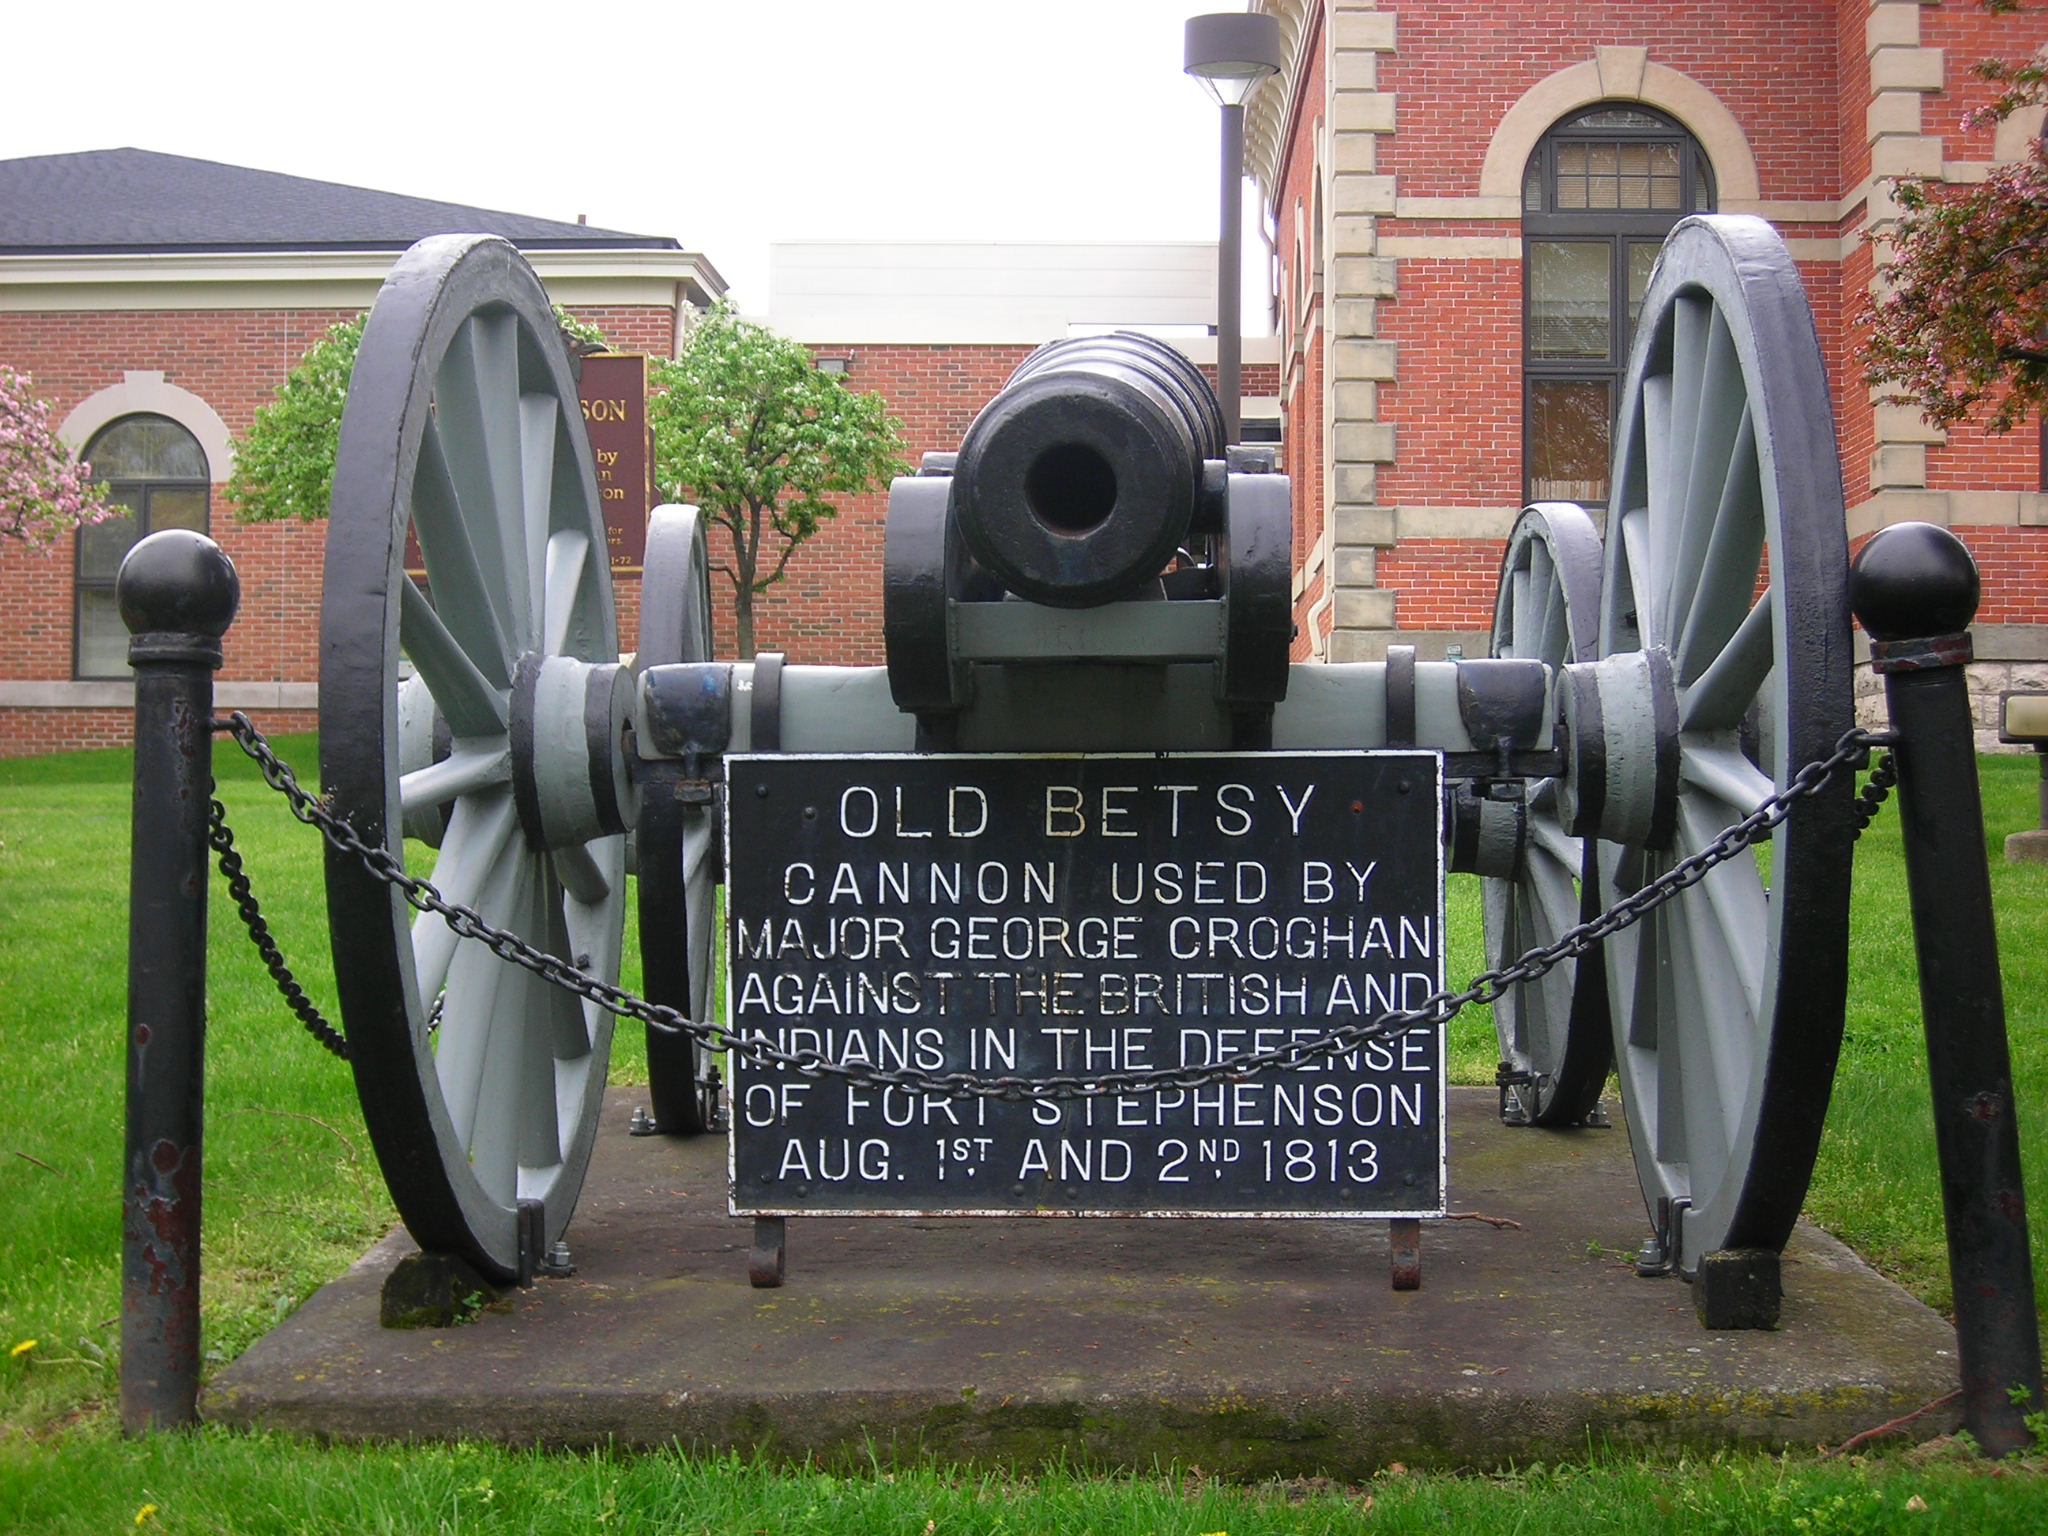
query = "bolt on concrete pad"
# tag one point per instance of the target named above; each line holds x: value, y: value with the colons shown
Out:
x: 1250, y: 1348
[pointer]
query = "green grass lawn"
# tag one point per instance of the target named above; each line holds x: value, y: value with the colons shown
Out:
x: 293, y: 1195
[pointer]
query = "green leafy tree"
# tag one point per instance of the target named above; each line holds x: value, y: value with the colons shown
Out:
x: 284, y: 468
x: 44, y: 491
x: 1962, y: 323
x: 746, y: 427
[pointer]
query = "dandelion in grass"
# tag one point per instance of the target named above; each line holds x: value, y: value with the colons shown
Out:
x: 26, y: 1346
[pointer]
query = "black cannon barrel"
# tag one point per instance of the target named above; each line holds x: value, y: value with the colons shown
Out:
x: 1078, y: 482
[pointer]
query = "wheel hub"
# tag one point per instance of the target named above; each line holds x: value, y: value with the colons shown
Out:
x: 569, y: 756
x: 1620, y: 731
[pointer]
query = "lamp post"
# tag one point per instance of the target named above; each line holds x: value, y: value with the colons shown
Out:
x: 1229, y: 54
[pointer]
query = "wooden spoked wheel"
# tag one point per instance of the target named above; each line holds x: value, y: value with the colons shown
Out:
x: 1725, y: 668
x: 480, y: 1082
x: 1554, y: 1033
x: 678, y: 854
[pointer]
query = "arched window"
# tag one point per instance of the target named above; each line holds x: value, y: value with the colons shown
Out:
x: 156, y: 470
x: 1600, y: 194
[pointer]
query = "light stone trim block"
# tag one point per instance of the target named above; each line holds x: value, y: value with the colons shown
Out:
x: 1364, y: 608
x: 1892, y: 24
x: 1369, y: 442
x: 1906, y: 69
x: 1363, y: 112
x: 114, y: 694
x: 1368, y: 276
x: 1361, y: 29
x: 1356, y: 565
x: 1455, y: 522
x: 1453, y: 247
x: 1363, y: 195
x: 1900, y: 155
x: 1893, y: 112
x: 1355, y: 488
x: 1459, y: 208
x: 1366, y: 360
x: 1904, y: 424
x: 1899, y: 466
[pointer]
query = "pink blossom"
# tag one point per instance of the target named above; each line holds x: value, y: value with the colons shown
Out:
x: 44, y: 491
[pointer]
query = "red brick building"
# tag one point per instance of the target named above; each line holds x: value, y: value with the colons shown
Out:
x: 1457, y: 190
x: 157, y: 302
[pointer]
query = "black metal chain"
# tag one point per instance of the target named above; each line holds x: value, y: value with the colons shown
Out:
x: 1851, y: 750
x: 244, y: 897
x: 1870, y: 799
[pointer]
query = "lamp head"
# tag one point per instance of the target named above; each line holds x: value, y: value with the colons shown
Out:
x: 1230, y: 53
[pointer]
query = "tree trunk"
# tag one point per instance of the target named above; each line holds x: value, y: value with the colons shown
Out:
x: 743, y: 620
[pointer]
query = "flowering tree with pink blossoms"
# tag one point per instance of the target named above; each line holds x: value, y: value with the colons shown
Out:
x: 1962, y: 325
x: 44, y: 491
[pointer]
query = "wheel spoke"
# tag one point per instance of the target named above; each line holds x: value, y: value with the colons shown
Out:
x: 1726, y: 569
x: 480, y: 1008
x: 480, y: 831
x: 1718, y: 470
x: 1635, y: 542
x: 699, y: 838
x: 567, y: 553
x: 593, y: 930
x: 1731, y: 682
x: 1733, y: 901
x: 1691, y: 323
x: 476, y: 400
x: 1720, y: 769
x: 545, y: 1042
x: 473, y: 706
x: 475, y: 604
x: 1701, y: 1044
x: 1656, y: 509
x: 1550, y: 838
x: 539, y: 417
x: 473, y: 765
x: 516, y: 1083
x: 567, y: 1021
x: 579, y: 872
x: 1515, y: 631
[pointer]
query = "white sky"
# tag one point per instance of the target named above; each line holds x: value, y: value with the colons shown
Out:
x: 726, y: 125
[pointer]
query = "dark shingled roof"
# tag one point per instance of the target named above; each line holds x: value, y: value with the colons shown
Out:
x: 112, y: 200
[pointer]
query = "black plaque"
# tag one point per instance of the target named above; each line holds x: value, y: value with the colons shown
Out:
x: 1029, y: 916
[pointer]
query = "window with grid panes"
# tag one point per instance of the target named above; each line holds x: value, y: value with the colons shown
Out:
x: 1601, y: 192
x: 156, y: 470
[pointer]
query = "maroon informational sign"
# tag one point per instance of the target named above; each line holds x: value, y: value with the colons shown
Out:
x: 613, y: 389
x: 614, y: 393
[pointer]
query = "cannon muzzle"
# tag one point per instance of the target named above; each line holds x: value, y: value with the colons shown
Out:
x: 1080, y: 480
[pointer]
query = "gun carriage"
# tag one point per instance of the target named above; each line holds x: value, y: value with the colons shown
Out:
x: 1094, y: 572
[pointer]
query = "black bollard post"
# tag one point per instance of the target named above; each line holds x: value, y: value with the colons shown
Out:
x: 177, y: 593
x: 1914, y: 589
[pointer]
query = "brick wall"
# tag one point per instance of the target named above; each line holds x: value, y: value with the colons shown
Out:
x: 1458, y: 65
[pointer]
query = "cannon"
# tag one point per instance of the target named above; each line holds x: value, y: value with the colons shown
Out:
x: 1094, y: 574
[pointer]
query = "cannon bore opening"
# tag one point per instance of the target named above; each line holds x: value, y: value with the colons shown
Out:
x: 1071, y: 488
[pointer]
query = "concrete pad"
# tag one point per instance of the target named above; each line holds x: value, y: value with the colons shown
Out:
x: 1249, y: 1348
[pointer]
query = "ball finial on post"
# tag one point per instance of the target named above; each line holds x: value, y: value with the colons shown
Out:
x: 180, y: 582
x: 1913, y: 581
